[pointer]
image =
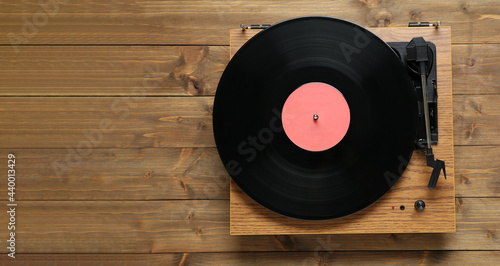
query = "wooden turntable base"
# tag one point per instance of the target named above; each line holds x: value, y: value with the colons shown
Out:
x: 385, y: 215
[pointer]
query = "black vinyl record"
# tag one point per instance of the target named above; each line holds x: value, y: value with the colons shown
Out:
x: 293, y: 181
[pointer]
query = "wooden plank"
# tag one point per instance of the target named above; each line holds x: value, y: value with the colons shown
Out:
x: 95, y: 259
x: 58, y: 122
x: 203, y: 226
x: 130, y: 174
x: 109, y: 122
x: 476, y: 120
x: 111, y: 70
x: 268, y: 258
x: 183, y: 173
x: 347, y: 258
x: 172, y: 122
x: 476, y: 69
x: 118, y: 70
x: 477, y: 171
x: 187, y: 22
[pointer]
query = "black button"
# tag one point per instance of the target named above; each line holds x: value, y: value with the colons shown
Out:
x: 419, y: 205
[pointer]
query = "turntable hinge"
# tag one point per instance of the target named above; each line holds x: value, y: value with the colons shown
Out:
x: 424, y: 24
x: 255, y: 27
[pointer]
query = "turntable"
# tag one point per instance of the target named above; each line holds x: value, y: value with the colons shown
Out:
x: 330, y: 128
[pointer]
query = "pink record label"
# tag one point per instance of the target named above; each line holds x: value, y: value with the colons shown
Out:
x: 316, y: 116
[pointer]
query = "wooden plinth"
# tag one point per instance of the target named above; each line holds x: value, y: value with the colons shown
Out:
x: 384, y: 216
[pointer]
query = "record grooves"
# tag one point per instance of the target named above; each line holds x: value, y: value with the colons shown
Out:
x: 271, y: 168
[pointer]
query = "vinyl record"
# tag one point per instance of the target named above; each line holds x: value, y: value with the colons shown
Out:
x: 315, y: 168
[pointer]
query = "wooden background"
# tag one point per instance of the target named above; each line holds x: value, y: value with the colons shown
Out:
x: 107, y: 106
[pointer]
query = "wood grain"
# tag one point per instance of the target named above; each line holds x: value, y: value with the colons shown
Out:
x: 477, y: 171
x: 58, y: 122
x: 384, y: 216
x: 347, y: 258
x: 134, y: 192
x: 185, y: 173
x: 119, y: 174
x: 181, y: 22
x: 164, y: 71
x: 86, y: 123
x: 111, y: 70
x: 476, y: 120
x: 270, y: 258
x: 476, y: 69
x: 203, y: 226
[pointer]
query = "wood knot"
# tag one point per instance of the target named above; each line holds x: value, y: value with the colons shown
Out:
x: 285, y: 243
x: 199, y: 231
x: 491, y: 234
x: 414, y: 16
x: 370, y: 3
x: 149, y: 174
x: 202, y: 125
x: 393, y: 237
x: 464, y: 180
x: 383, y: 19
x: 470, y: 130
x: 157, y: 144
x: 177, y: 73
x: 458, y: 204
x: 189, y: 217
x: 182, y: 185
x: 194, y: 86
x: 179, y: 119
x: 192, y: 60
x: 459, y: 117
x: 465, y: 8
x: 471, y: 62
x: 478, y: 108
x: 192, y: 55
